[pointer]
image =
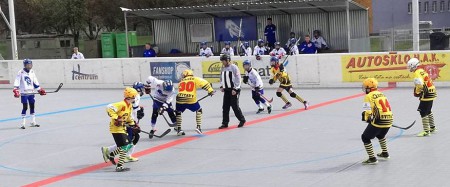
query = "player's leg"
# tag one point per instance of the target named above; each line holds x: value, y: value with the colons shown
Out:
x: 179, y: 109
x: 226, y: 109
x: 32, y: 113
x: 123, y: 146
x: 198, y: 116
x: 431, y: 119
x: 234, y: 101
x: 155, y: 113
x: 424, y: 110
x: 369, y: 133
x: 132, y: 141
x: 171, y: 114
x: 24, y: 101
x: 383, y: 143
x: 296, y: 96
x: 263, y: 101
x: 285, y: 100
x: 257, y: 98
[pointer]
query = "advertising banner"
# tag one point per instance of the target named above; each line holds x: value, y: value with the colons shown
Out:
x: 168, y: 70
x: 211, y: 70
x: 393, y: 67
x: 227, y: 29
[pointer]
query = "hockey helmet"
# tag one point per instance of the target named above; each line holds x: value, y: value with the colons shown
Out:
x: 138, y: 86
x: 129, y: 93
x: 225, y: 57
x: 227, y: 43
x: 246, y: 44
x: 413, y: 64
x: 274, y: 60
x: 168, y: 85
x: 370, y: 84
x: 187, y: 73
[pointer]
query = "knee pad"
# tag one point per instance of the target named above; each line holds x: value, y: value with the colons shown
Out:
x: 126, y: 147
x: 279, y: 94
x: 365, y: 139
x: 293, y: 95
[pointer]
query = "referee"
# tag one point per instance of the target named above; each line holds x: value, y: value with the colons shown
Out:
x: 230, y: 79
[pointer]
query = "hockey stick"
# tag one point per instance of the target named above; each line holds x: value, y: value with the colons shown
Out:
x: 239, y: 37
x: 290, y: 49
x: 57, y: 89
x: 205, y: 96
x: 162, y: 113
x: 265, y: 98
x: 151, y: 135
x: 405, y: 128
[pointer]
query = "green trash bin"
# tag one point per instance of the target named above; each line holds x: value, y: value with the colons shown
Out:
x: 108, y: 45
x: 121, y: 45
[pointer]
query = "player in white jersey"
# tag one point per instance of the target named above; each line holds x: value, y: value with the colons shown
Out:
x: 253, y: 79
x: 260, y: 49
x: 162, y: 100
x: 137, y: 112
x: 293, y: 48
x: 204, y: 50
x: 278, y: 51
x: 227, y: 49
x: 25, y: 85
x: 246, y: 49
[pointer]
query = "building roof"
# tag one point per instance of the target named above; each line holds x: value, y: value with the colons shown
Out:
x: 246, y: 9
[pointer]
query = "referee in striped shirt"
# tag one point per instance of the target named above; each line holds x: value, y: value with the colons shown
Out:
x: 230, y: 79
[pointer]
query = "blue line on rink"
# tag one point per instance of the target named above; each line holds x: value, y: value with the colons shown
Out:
x: 64, y: 111
x: 99, y: 175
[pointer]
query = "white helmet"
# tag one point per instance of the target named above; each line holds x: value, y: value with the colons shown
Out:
x: 413, y: 63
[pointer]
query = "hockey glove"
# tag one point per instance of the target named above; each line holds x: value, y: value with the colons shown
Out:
x: 147, y: 89
x: 211, y: 93
x: 118, y: 122
x: 245, y: 79
x: 42, y: 92
x: 417, y: 94
x: 363, y: 116
x: 140, y: 113
x: 16, y: 93
x: 136, y: 129
x: 271, y: 81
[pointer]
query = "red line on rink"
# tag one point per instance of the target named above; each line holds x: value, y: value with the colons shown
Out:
x: 184, y: 140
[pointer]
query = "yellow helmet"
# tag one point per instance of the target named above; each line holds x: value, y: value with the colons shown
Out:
x: 186, y: 73
x: 129, y: 92
x: 370, y: 83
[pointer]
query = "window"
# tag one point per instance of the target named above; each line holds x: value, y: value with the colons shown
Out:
x: 37, y: 44
x: 434, y: 7
x: 442, y: 7
x: 425, y: 8
x: 409, y: 8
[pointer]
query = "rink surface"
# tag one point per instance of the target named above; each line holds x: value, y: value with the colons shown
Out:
x: 317, y: 147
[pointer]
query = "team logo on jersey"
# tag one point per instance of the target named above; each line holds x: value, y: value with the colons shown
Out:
x: 27, y: 80
x: 77, y: 75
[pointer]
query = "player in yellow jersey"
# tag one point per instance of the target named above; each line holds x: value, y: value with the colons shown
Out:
x: 187, y: 98
x: 426, y: 92
x: 278, y: 73
x: 377, y: 112
x: 120, y: 114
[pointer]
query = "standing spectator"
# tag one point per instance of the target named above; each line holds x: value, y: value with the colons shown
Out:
x: 270, y: 32
x: 76, y: 54
x: 227, y: 49
x: 149, y: 51
x: 319, y: 42
x: 307, y: 47
x: 204, y: 50
x: 230, y: 79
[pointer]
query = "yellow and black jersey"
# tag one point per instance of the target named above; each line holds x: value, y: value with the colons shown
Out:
x: 378, y: 110
x: 187, y: 89
x: 281, y: 75
x: 119, y: 110
x: 424, y: 85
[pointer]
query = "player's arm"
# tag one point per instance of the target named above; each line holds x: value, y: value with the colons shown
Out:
x: 231, y: 51
x: 259, y: 83
x: 367, y: 110
x: 418, y: 82
x: 203, y: 84
x: 237, y: 77
x: 17, y: 80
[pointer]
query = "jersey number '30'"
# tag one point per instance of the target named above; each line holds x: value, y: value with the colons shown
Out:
x: 188, y: 86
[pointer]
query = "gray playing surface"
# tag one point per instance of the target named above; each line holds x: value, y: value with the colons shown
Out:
x: 317, y: 147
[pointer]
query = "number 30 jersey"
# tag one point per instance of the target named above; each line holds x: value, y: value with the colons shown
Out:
x: 187, y: 89
x: 376, y: 106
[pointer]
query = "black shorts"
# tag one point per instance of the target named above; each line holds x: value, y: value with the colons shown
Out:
x: 371, y: 132
x: 425, y: 108
x: 121, y: 139
x: 287, y: 88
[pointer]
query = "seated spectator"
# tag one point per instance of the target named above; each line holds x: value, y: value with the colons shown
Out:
x: 76, y: 54
x: 291, y: 36
x: 246, y: 49
x: 307, y: 47
x: 227, y: 49
x: 204, y: 50
x: 260, y: 49
x: 149, y: 51
x: 292, y: 47
x: 319, y: 42
x: 278, y: 51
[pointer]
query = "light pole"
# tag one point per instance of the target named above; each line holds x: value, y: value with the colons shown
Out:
x: 12, y: 27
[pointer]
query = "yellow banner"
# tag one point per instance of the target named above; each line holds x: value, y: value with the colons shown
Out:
x: 393, y: 68
x: 212, y: 69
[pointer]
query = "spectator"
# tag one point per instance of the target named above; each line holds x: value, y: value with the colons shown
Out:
x: 307, y: 47
x: 246, y: 49
x: 319, y: 42
x: 292, y: 47
x: 76, y: 54
x: 291, y: 36
x: 149, y: 51
x: 260, y: 49
x: 204, y: 50
x: 278, y: 51
x: 270, y: 32
x: 227, y: 49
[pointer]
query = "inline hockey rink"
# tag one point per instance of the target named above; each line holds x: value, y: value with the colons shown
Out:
x: 317, y: 147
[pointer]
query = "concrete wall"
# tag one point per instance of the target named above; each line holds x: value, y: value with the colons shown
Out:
x: 315, y: 70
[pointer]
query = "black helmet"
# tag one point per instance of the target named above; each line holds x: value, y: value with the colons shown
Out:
x: 225, y: 57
